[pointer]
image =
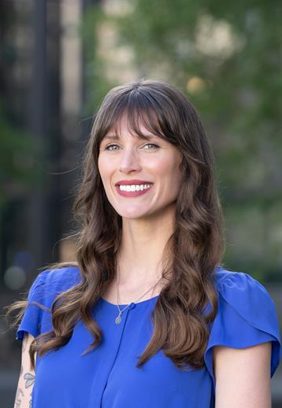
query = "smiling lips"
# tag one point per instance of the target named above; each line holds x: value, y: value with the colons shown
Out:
x: 133, y: 188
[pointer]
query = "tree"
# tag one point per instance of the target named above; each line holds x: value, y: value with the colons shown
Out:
x: 227, y: 59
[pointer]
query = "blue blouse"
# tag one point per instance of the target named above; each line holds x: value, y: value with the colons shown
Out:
x: 108, y: 377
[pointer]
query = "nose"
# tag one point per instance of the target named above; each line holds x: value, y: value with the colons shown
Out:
x: 129, y: 161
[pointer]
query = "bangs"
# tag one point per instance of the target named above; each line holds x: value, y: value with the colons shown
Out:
x: 138, y: 110
x: 135, y: 119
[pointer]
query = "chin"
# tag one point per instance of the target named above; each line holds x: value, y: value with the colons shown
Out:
x: 133, y: 215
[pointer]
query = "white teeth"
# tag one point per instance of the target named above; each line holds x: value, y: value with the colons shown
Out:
x: 134, y: 187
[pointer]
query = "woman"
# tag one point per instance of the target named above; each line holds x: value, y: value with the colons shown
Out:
x: 148, y: 318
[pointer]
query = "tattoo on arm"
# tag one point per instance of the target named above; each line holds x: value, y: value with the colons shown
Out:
x: 29, y: 379
x: 26, y: 381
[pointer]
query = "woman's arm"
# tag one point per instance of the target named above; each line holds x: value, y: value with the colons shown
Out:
x: 27, y: 376
x: 243, y: 376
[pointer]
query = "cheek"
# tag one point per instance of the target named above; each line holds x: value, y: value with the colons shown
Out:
x: 162, y: 166
x: 103, y: 168
x: 170, y: 170
x: 174, y: 176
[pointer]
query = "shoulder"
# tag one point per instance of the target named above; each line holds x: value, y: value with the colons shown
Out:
x: 62, y: 277
x: 51, y: 282
x: 244, y: 294
x: 225, y: 277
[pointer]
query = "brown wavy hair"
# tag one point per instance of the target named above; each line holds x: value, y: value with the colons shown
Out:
x: 192, y: 253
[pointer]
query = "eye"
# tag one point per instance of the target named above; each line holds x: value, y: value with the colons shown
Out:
x: 109, y: 147
x: 152, y: 144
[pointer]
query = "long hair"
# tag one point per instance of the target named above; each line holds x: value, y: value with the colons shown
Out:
x: 192, y: 252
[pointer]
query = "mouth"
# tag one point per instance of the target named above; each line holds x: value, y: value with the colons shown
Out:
x: 133, y: 190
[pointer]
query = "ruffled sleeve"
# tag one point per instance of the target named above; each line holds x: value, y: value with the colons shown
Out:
x: 44, y: 290
x: 31, y: 320
x: 246, y: 317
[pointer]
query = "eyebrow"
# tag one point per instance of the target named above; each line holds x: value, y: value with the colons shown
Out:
x: 116, y: 137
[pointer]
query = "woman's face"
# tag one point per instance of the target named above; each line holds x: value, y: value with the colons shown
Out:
x: 141, y: 178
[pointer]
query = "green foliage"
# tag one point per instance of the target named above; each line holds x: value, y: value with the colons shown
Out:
x: 227, y: 58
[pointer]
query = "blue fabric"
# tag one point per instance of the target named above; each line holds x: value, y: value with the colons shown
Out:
x: 108, y: 377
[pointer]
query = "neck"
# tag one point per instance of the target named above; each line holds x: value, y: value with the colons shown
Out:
x: 141, y: 253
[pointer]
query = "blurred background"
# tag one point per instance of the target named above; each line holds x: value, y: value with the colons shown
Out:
x: 57, y: 61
